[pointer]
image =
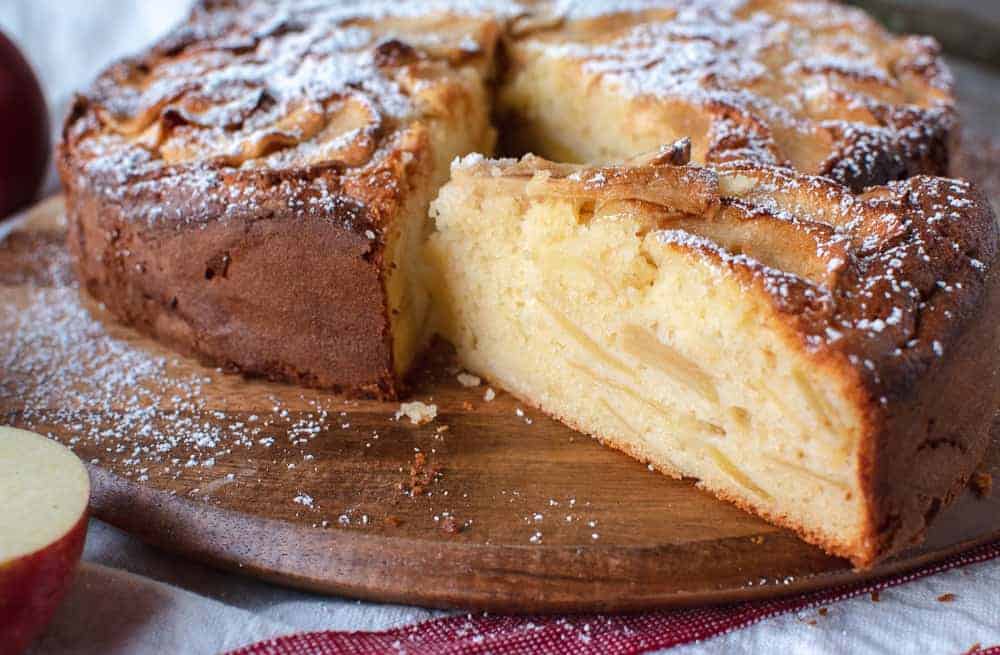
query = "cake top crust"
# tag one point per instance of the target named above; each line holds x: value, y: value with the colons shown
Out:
x: 247, y: 86
x: 886, y: 280
x: 816, y: 86
x: 248, y: 105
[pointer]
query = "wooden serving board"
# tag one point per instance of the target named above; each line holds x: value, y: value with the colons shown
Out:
x: 489, y: 506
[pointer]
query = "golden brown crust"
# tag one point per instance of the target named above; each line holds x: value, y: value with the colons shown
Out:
x: 259, y: 114
x: 233, y: 295
x: 932, y: 438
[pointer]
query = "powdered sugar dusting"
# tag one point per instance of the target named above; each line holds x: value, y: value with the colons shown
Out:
x: 776, y: 84
x: 880, y: 277
x: 274, y: 84
x: 142, y: 410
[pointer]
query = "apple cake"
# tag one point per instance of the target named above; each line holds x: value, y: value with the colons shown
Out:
x: 254, y: 190
x: 825, y: 359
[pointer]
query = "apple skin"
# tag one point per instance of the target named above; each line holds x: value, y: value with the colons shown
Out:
x: 31, y: 588
x: 24, y: 131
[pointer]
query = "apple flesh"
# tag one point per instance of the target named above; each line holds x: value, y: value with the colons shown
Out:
x: 45, y: 490
x: 24, y: 131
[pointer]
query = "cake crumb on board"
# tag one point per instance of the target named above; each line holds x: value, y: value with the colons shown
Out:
x: 421, y: 476
x: 419, y: 413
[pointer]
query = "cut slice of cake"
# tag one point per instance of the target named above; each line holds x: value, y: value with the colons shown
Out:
x: 824, y: 359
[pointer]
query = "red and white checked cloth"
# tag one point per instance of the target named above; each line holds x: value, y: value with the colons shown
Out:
x: 130, y: 599
x: 595, y: 634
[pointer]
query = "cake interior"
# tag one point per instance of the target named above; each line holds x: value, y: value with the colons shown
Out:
x: 593, y: 315
x: 598, y: 317
x: 452, y: 128
x: 548, y: 107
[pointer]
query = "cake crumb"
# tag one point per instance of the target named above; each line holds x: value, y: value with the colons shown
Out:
x: 468, y: 380
x: 421, y: 476
x: 946, y: 598
x: 489, y: 395
x: 450, y: 526
x: 876, y: 597
x: 419, y: 413
x: 982, y: 483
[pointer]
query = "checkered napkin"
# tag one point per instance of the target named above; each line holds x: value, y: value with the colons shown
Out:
x: 620, y: 635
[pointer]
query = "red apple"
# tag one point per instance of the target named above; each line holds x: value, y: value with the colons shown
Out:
x: 43, y: 522
x: 24, y: 131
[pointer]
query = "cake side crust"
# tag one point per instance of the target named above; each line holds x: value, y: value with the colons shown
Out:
x: 236, y: 292
x: 931, y: 440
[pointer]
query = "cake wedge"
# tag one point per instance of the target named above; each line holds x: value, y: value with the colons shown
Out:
x: 822, y: 358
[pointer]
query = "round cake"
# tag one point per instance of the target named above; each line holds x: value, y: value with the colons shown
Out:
x: 738, y: 265
x: 253, y: 189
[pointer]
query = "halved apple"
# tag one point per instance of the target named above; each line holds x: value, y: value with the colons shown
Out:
x: 44, y: 491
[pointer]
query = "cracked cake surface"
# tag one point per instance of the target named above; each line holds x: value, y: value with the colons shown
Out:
x: 815, y: 86
x: 253, y: 188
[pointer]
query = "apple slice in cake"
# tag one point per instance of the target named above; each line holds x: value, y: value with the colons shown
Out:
x: 805, y: 352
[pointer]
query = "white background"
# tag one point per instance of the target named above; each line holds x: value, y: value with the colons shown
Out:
x: 69, y: 41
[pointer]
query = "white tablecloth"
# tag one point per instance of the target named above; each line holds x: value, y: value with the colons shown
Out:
x: 130, y: 599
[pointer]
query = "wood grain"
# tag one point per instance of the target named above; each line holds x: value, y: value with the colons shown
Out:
x: 481, y: 508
